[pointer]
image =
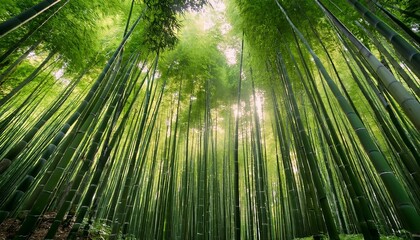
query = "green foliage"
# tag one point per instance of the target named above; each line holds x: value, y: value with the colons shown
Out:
x: 355, y: 237
x: 76, y: 31
x: 22, y: 72
x: 11, y: 8
x: 195, y: 60
x: 163, y: 21
x: 165, y: 173
x: 99, y: 231
x: 266, y: 28
x: 409, y: 9
x: 196, y: 57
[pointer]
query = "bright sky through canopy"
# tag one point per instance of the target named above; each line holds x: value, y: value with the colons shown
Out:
x: 216, y: 11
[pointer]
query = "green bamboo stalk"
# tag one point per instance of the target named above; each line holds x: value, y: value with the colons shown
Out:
x: 282, y: 224
x: 392, y: 136
x: 99, y: 172
x: 410, y: 54
x: 405, y: 156
x: 102, y: 162
x: 41, y: 201
x: 17, y: 149
x: 364, y: 215
x: 6, y: 73
x: 410, y: 82
x: 320, y: 191
x: 250, y: 216
x: 402, y: 131
x: 261, y: 181
x: 169, y: 211
x: 91, y: 152
x: 28, y: 35
x: 296, y: 219
x: 20, y: 19
x: 18, y: 118
x: 227, y: 220
x: 400, y: 24
x: 407, y: 211
x: 408, y: 14
x: 237, y: 208
x: 24, y: 186
x: 407, y: 102
x: 126, y: 188
x: 57, y: 170
x: 28, y: 79
x: 186, y: 172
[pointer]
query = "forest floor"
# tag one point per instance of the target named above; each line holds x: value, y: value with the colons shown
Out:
x: 9, y: 228
x: 356, y: 237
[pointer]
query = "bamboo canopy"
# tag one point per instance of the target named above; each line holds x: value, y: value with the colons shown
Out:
x: 218, y: 119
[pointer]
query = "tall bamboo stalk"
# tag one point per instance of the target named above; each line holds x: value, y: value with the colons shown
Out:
x: 410, y: 54
x: 16, y: 21
x: 407, y: 101
x: 402, y: 202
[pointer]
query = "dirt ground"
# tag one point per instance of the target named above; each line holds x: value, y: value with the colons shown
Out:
x: 9, y: 228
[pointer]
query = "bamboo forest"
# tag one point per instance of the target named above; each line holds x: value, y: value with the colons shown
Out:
x: 210, y: 119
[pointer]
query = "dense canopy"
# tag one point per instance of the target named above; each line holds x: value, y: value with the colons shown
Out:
x: 209, y: 119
